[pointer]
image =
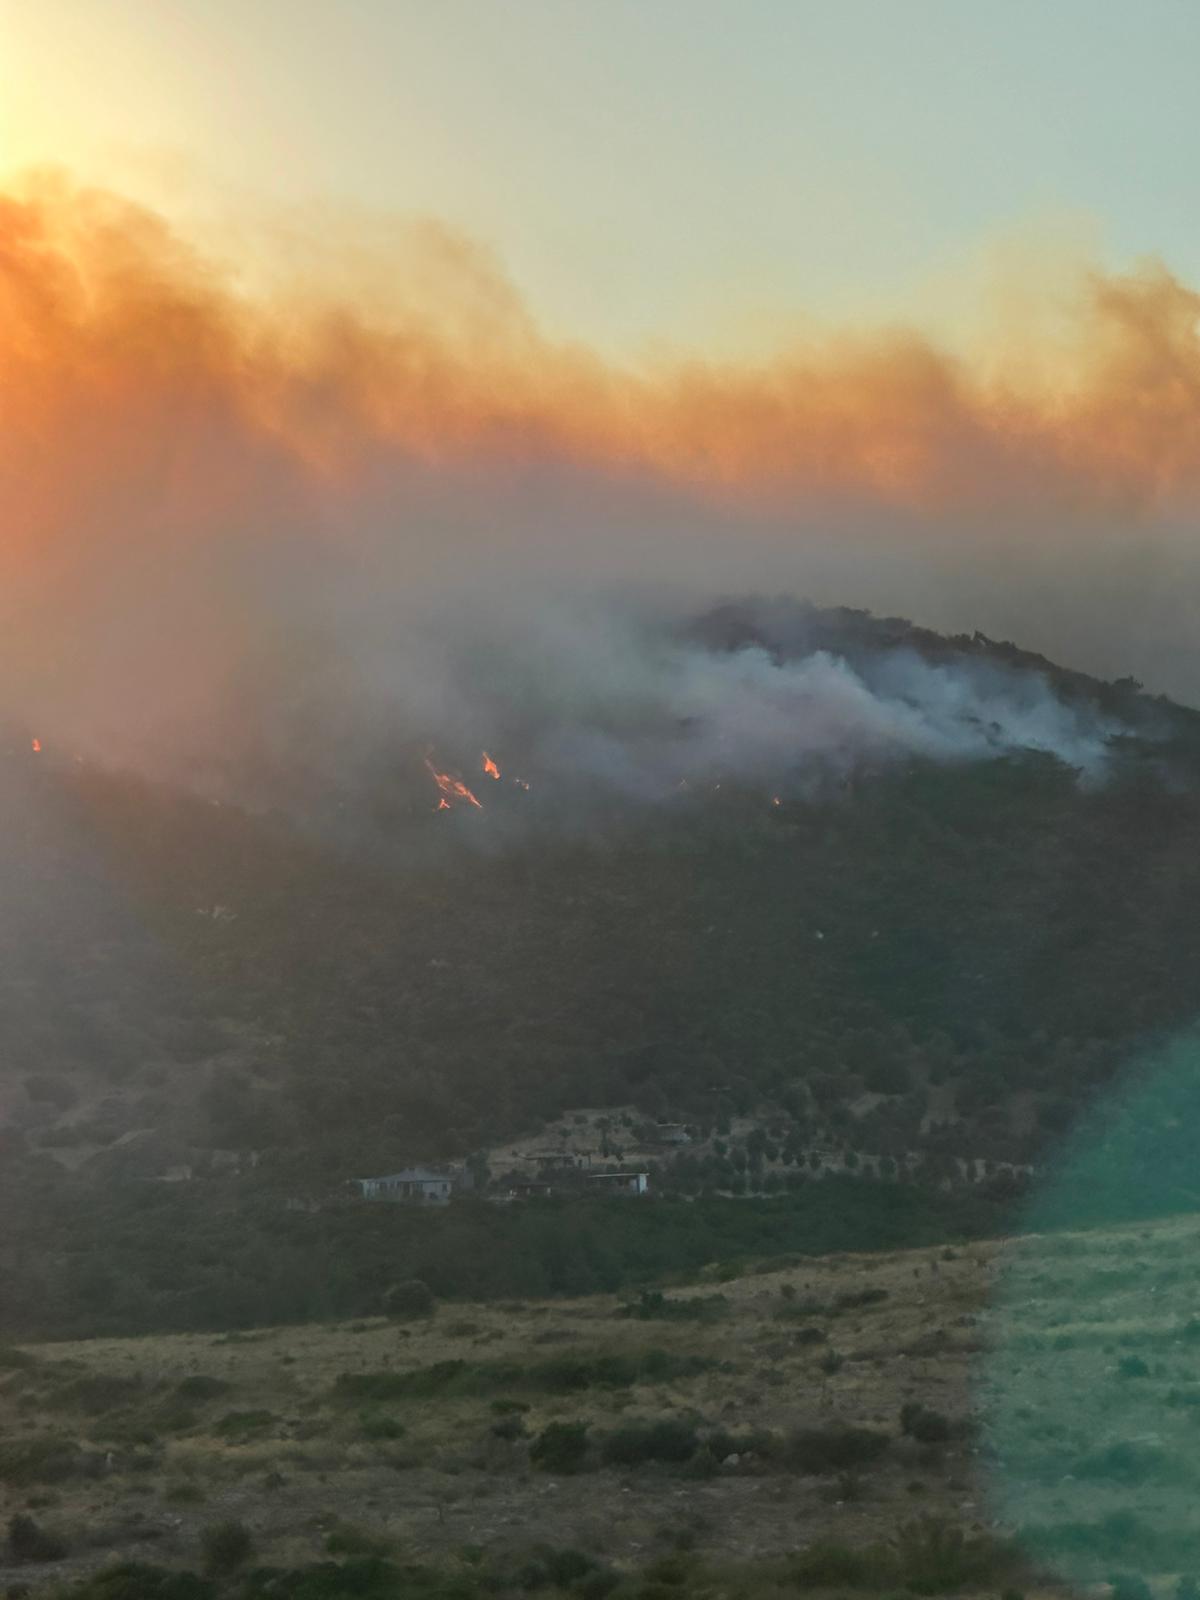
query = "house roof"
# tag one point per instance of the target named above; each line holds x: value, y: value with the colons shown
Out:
x: 409, y: 1175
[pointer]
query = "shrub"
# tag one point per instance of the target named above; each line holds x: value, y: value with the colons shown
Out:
x: 837, y: 1449
x: 669, y: 1439
x: 45, y: 1458
x: 653, y: 1305
x: 561, y: 1447
x: 563, y: 1375
x: 344, y: 1539
x: 376, y: 1426
x: 923, y: 1423
x: 408, y: 1300
x: 598, y: 1585
x: 510, y: 1429
x: 28, y: 1541
x: 1132, y: 1367
x: 1128, y: 1586
x: 239, y: 1424
x: 201, y: 1387
x: 758, y: 1441
x: 134, y: 1580
x: 226, y: 1546
x: 810, y: 1335
x: 1123, y: 1462
x: 935, y: 1557
x: 565, y: 1567
x: 830, y: 1565
x: 98, y: 1392
x: 854, y: 1299
x: 184, y: 1493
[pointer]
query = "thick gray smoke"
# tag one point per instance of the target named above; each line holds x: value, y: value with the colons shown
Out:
x: 588, y: 712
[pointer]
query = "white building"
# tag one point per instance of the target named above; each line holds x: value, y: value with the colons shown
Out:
x: 414, y: 1186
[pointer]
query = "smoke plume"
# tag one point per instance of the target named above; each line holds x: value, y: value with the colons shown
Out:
x: 272, y: 541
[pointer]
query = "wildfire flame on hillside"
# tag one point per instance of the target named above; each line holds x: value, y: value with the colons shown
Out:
x: 36, y: 746
x: 452, y: 789
x: 490, y: 767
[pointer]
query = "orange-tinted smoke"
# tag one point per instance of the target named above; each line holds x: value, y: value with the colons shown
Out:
x: 124, y: 357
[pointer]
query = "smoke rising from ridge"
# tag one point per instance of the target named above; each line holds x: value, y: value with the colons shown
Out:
x: 281, y: 535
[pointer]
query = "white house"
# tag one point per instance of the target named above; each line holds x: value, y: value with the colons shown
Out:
x: 414, y: 1186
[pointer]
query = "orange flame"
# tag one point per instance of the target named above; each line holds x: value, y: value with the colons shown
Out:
x: 452, y: 789
x: 490, y: 767
x: 36, y: 746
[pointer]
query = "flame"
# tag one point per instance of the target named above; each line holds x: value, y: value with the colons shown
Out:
x: 36, y: 746
x: 775, y: 800
x: 521, y: 783
x: 452, y: 789
x: 490, y: 767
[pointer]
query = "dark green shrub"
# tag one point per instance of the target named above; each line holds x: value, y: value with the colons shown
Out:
x: 561, y: 1447
x: 827, y: 1564
x: 855, y: 1299
x: 923, y: 1423
x: 835, y: 1449
x: 408, y: 1300
x: 597, y: 1585
x: 1132, y: 1367
x: 184, y: 1493
x: 226, y: 1546
x: 344, y: 1539
x: 378, y: 1426
x: 510, y: 1429
x: 566, y: 1567
x: 44, y: 1458
x: 240, y: 1424
x: 1128, y: 1586
x: 201, y: 1387
x: 133, y: 1580
x: 29, y: 1541
x: 1123, y: 1462
x: 669, y: 1439
x: 652, y: 1305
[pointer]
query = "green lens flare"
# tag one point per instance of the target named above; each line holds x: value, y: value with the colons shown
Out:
x: 1089, y: 1398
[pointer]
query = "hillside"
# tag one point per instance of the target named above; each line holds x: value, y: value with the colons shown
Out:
x: 875, y: 1424
x: 915, y: 964
x: 737, y: 1422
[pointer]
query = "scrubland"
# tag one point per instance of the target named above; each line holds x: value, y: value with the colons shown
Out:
x: 971, y: 1420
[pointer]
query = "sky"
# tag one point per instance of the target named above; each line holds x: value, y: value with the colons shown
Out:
x: 319, y: 321
x: 680, y: 173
